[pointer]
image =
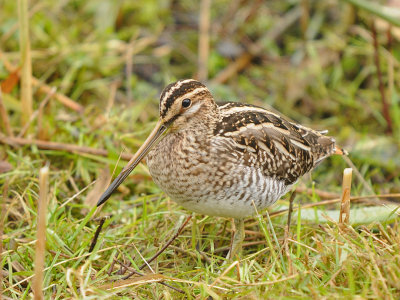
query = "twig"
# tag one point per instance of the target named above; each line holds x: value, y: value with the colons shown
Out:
x: 233, y: 68
x: 128, y: 268
x: 37, y: 286
x: 66, y: 101
x: 168, y: 243
x: 124, y: 268
x: 25, y: 53
x: 97, y: 233
x: 204, y: 38
x: 145, y: 261
x: 344, y: 216
x: 111, y: 268
x: 385, y: 104
x: 163, y: 248
x: 4, y: 117
x: 14, y: 141
x: 303, y: 245
x: 320, y: 193
x: 2, y: 221
x: 58, y: 253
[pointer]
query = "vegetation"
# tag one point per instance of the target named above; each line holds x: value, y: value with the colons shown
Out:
x: 97, y: 70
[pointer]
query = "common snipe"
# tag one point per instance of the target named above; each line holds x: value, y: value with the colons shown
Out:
x: 227, y: 159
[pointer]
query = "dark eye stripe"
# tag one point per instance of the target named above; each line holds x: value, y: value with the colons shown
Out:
x: 185, y: 88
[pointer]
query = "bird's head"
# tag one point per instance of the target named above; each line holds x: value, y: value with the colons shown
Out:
x: 182, y: 105
x: 184, y: 102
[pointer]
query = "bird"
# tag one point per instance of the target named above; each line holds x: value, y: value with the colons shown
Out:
x: 227, y: 159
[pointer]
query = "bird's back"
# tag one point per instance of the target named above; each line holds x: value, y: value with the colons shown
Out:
x: 283, y: 150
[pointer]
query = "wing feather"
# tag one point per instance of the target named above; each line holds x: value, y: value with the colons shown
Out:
x: 282, y: 149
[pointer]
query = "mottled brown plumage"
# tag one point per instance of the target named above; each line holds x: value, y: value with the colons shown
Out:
x: 225, y: 159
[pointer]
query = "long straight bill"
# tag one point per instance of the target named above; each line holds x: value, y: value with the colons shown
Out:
x: 153, y: 138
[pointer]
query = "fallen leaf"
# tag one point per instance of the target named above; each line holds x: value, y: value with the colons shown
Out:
x: 10, y: 82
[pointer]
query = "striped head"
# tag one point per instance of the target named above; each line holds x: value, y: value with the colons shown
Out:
x: 183, y: 101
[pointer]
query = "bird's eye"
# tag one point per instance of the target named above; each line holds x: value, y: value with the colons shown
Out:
x: 186, y: 103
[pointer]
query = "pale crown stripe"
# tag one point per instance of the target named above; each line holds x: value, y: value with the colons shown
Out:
x: 172, y: 90
x: 188, y: 95
x: 194, y: 92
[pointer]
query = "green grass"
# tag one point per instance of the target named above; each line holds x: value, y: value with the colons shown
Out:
x: 323, y: 76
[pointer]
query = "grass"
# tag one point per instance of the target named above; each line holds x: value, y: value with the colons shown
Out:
x: 311, y: 60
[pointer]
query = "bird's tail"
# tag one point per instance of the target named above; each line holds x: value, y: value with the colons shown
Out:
x: 325, y: 148
x: 339, y: 151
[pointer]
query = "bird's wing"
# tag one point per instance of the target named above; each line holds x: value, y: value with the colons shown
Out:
x: 282, y: 149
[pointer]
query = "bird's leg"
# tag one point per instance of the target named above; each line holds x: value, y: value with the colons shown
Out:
x: 287, y: 231
x: 237, y: 239
x: 291, y: 199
